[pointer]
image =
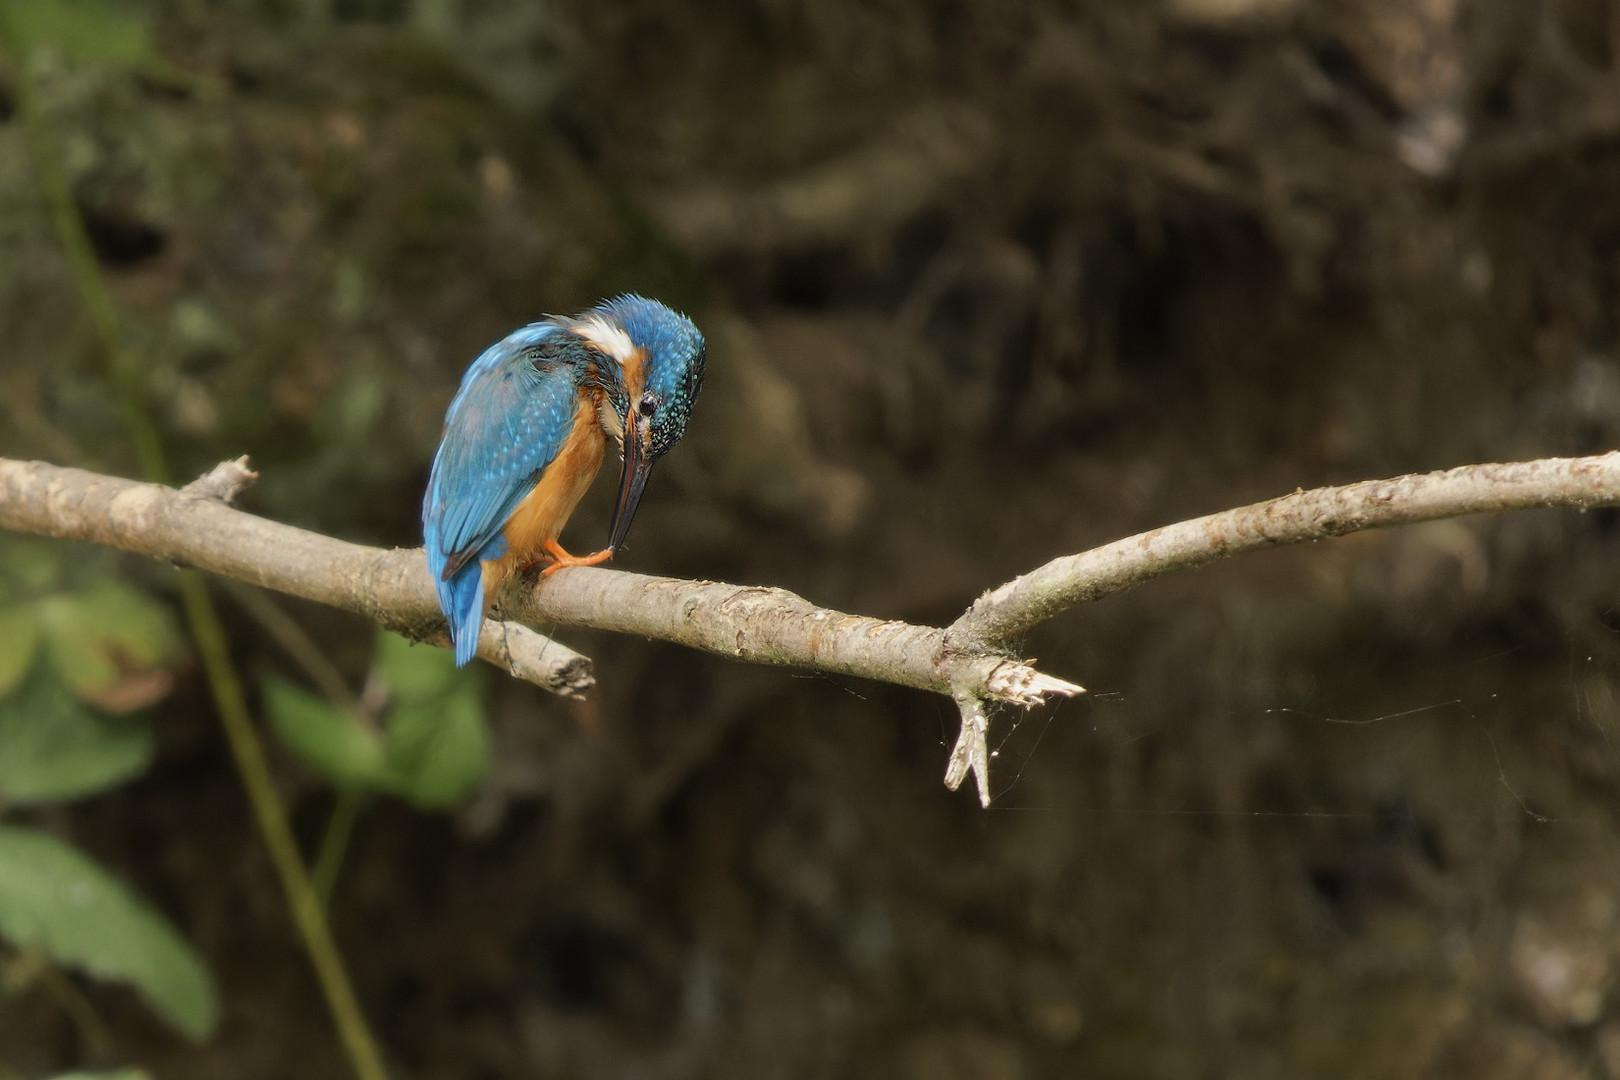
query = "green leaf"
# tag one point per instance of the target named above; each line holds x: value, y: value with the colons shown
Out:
x: 109, y: 643
x: 116, y: 1074
x: 54, y: 898
x: 438, y: 742
x: 54, y: 748
x: 438, y: 748
x: 416, y: 672
x: 333, y: 743
x: 19, y: 639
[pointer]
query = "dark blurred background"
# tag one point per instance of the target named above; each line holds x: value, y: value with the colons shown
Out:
x: 984, y: 283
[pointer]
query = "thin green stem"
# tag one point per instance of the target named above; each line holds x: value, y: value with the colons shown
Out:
x: 335, y: 844
x: 306, y: 653
x: 295, y: 641
x: 206, y: 630
x: 306, y: 907
x: 81, y: 255
x: 78, y: 1006
x: 33, y: 967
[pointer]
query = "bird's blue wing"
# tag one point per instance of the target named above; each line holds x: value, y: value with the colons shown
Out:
x: 506, y: 424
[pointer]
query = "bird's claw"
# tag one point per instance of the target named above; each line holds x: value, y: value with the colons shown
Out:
x: 561, y: 558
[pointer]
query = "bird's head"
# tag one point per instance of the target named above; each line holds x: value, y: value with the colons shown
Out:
x: 654, y: 374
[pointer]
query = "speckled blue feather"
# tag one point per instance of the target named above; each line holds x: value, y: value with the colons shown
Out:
x: 506, y: 424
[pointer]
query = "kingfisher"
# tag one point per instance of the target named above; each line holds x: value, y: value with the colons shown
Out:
x: 525, y: 436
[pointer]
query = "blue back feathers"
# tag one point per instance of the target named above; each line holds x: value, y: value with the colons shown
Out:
x: 508, y: 421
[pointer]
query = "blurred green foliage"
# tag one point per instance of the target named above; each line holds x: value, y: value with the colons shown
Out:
x: 87, y: 32
x: 53, y: 749
x: 78, y: 651
x: 81, y: 652
x: 54, y: 898
x: 428, y: 744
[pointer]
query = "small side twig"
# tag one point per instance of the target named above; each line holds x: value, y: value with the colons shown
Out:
x: 224, y: 482
x: 972, y: 749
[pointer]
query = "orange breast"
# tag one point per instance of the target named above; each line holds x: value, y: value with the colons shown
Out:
x: 542, y: 515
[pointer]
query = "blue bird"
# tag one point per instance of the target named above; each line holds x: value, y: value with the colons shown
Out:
x: 526, y: 434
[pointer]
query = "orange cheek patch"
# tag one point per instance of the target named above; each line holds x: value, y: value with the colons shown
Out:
x: 635, y: 374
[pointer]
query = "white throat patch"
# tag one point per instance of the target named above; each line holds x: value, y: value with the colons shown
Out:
x: 610, y: 339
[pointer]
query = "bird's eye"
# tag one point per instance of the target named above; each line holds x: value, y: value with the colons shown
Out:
x: 647, y: 405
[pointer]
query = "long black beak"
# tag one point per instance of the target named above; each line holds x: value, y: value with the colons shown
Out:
x: 637, y: 464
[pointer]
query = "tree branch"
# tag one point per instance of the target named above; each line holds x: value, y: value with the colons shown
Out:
x: 194, y: 527
x: 966, y: 660
x: 1010, y: 611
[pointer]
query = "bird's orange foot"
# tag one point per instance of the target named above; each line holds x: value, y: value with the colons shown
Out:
x: 561, y: 558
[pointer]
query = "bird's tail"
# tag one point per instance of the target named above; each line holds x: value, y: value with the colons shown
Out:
x: 462, y: 600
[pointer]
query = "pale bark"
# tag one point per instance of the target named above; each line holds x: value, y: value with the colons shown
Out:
x: 1013, y: 609
x: 195, y: 527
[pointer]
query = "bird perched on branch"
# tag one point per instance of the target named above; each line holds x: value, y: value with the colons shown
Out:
x: 525, y: 436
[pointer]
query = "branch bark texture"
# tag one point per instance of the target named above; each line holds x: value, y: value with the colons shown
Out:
x: 194, y: 527
x: 967, y: 660
x: 1012, y: 610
